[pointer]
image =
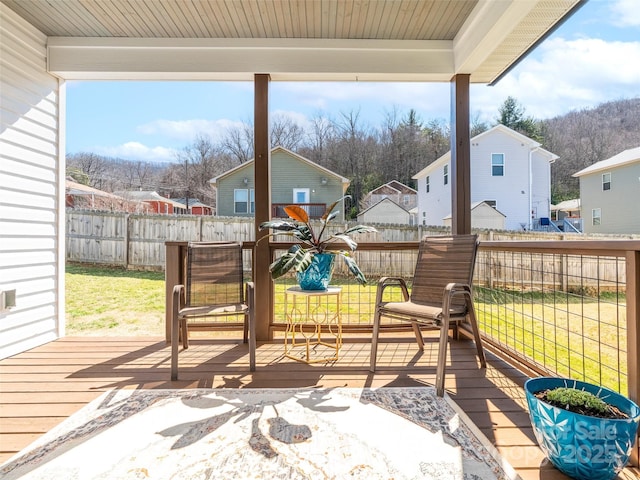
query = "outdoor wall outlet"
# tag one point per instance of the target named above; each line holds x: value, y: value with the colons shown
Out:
x: 7, y: 299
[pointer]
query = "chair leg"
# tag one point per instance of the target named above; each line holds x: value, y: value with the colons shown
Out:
x: 185, y: 333
x: 175, y: 327
x: 476, y: 332
x: 252, y: 342
x: 374, y: 341
x: 245, y: 336
x: 418, y: 334
x: 442, y: 356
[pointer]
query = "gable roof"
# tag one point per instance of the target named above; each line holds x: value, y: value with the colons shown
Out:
x: 476, y: 205
x: 248, y: 164
x: 626, y: 157
x: 395, y: 185
x: 497, y: 130
x: 380, y: 202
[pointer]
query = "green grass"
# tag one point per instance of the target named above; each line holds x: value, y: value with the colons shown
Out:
x: 113, y: 301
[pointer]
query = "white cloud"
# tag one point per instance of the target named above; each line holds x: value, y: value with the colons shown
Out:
x: 567, y: 75
x: 138, y: 151
x: 626, y: 13
x: 187, y: 130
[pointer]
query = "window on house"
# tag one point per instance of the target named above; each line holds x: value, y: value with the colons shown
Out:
x: 596, y: 216
x: 240, y: 200
x: 427, y: 183
x: 497, y: 164
x: 446, y: 174
x: 252, y: 201
x: 606, y: 181
x: 405, y: 199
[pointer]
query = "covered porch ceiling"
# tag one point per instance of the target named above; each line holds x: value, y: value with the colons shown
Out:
x: 291, y: 40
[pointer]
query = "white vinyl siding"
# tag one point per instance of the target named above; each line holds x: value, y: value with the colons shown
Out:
x: 31, y: 215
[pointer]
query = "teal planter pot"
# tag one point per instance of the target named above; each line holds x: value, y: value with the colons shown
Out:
x: 583, y: 447
x: 318, y: 275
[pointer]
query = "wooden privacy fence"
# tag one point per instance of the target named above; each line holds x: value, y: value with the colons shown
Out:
x: 136, y: 241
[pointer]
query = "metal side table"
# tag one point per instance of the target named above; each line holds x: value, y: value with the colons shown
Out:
x: 314, y: 325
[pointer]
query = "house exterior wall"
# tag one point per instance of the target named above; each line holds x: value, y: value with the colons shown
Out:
x: 31, y: 189
x: 511, y: 192
x: 618, y: 206
x: 483, y: 216
x: 385, y: 212
x: 288, y: 172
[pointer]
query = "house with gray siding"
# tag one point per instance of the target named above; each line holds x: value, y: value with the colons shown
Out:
x: 610, y: 194
x: 509, y: 172
x: 294, y: 179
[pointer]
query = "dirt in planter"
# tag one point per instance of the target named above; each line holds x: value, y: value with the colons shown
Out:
x: 610, y: 412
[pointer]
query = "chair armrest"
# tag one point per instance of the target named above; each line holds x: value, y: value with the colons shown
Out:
x: 386, y: 282
x: 451, y: 290
x: 178, y: 296
x: 249, y: 289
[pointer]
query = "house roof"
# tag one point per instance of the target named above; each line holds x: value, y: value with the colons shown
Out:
x: 193, y: 202
x: 623, y: 158
x: 338, y: 40
x: 567, y: 206
x: 395, y: 185
x: 148, y: 196
x: 248, y: 164
x: 380, y: 202
x: 498, y: 129
x: 75, y: 188
x: 476, y: 205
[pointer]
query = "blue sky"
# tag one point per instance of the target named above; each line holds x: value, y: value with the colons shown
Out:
x: 593, y: 58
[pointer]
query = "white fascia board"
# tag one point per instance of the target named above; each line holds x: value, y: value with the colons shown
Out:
x: 240, y: 59
x: 486, y: 28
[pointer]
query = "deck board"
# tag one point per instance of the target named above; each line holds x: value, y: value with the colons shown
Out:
x: 42, y: 387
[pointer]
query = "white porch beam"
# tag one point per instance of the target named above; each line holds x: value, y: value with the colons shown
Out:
x: 239, y: 59
x: 486, y: 28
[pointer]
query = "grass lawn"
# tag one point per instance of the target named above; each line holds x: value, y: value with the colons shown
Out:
x: 113, y: 301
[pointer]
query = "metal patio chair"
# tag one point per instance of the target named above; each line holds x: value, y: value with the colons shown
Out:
x: 213, y: 291
x: 441, y: 296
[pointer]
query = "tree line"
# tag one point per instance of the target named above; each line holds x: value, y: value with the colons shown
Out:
x: 368, y: 155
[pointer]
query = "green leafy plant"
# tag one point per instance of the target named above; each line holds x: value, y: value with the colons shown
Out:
x: 300, y: 255
x: 580, y: 401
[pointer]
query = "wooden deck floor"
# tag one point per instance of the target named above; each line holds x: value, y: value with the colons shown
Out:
x: 42, y: 387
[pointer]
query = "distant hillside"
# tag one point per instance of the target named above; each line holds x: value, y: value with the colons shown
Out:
x: 584, y: 137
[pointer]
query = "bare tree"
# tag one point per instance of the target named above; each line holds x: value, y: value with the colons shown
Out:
x: 286, y: 133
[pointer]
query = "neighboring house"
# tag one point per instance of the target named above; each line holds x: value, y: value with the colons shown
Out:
x: 156, y: 202
x: 610, y: 194
x: 81, y: 196
x: 402, y: 195
x: 509, y: 172
x: 195, y: 206
x: 294, y: 179
x: 483, y: 215
x: 385, y: 211
x: 566, y: 215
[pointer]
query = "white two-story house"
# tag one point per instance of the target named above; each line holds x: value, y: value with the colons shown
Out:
x: 509, y: 171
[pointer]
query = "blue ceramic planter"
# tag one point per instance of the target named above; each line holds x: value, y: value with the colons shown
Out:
x: 318, y: 275
x: 585, y: 448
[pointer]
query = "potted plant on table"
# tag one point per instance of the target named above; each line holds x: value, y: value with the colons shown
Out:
x: 585, y: 430
x: 313, y: 258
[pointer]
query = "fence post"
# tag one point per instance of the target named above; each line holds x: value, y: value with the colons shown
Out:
x: 126, y: 240
x: 633, y: 336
